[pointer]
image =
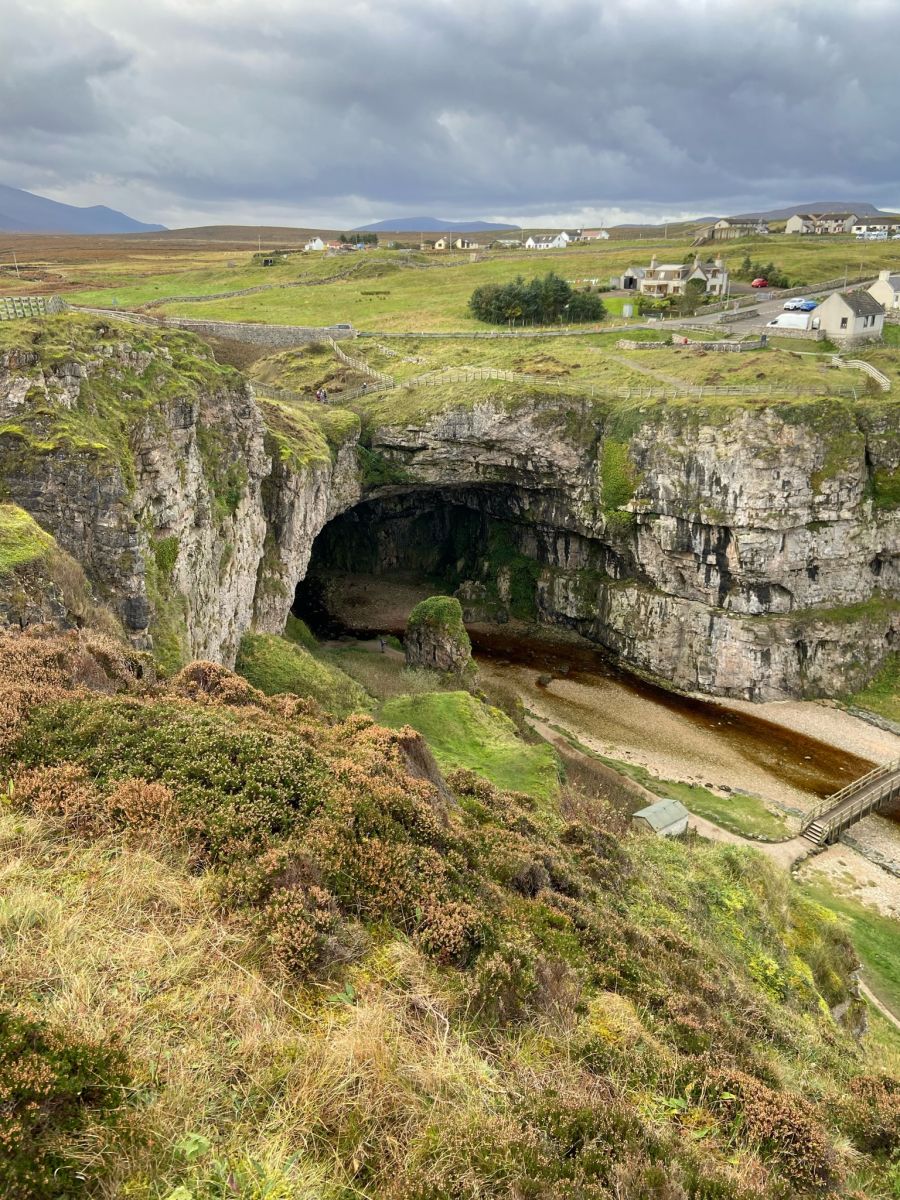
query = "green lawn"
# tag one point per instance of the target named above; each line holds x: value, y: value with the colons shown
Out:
x: 875, y: 937
x: 464, y: 732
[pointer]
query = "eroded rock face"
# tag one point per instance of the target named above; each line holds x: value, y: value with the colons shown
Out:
x: 751, y: 552
x: 745, y: 551
x: 436, y: 637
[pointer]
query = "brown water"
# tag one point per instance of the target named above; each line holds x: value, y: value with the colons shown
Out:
x: 623, y: 717
x: 699, y: 739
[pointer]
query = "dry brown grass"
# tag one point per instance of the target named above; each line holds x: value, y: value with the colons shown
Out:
x: 114, y: 938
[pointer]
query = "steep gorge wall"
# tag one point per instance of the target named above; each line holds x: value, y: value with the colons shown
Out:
x: 741, y: 551
x: 745, y: 552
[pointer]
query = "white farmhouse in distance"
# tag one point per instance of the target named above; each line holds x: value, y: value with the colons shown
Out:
x: 314, y: 243
x: 549, y: 241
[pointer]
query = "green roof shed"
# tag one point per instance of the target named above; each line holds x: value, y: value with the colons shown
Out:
x: 667, y: 818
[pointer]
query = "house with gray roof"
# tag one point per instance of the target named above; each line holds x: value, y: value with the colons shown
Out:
x: 850, y: 317
x: 821, y: 223
x: 886, y: 290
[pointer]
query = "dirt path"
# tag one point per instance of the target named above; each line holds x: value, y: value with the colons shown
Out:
x: 661, y: 376
x: 876, y: 1003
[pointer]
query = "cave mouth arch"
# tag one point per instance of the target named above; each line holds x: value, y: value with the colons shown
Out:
x: 491, y: 544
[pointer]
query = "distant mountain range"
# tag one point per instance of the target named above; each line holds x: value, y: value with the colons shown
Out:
x: 858, y: 208
x: 432, y: 225
x: 23, y: 212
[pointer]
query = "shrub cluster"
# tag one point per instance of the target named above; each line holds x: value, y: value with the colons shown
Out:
x: 539, y: 301
x: 749, y: 270
x: 318, y: 837
x: 51, y: 1085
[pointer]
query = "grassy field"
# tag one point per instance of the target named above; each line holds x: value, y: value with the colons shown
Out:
x: 579, y: 362
x: 464, y: 732
x: 387, y: 290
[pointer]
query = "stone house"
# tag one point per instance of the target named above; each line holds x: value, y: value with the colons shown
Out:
x: 850, y: 317
x: 886, y: 290
x: 820, y: 223
x: 662, y: 280
x: 727, y: 229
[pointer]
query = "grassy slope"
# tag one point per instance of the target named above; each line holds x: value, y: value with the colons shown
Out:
x: 882, y: 696
x: 464, y: 732
x: 275, y: 665
x: 22, y: 540
x: 875, y: 938
x: 569, y: 1056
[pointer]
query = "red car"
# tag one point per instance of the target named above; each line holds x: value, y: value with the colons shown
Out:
x: 760, y: 283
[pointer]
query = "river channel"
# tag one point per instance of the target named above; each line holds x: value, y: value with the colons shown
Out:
x: 567, y: 682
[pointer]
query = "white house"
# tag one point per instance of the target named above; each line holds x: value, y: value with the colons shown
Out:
x: 851, y: 317
x: 886, y: 289
x: 549, y: 241
x: 594, y: 235
x: 315, y: 243
x: 462, y: 243
x: 821, y: 223
x: 661, y: 280
x: 865, y: 226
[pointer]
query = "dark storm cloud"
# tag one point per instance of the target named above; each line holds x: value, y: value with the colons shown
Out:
x: 244, y: 107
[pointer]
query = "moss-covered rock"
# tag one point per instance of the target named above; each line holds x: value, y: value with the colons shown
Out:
x: 436, y: 637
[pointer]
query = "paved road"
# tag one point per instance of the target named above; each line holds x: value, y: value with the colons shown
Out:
x: 770, y: 306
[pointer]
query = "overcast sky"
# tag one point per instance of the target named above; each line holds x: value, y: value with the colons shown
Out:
x: 312, y: 112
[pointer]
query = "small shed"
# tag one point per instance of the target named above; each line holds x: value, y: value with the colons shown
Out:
x: 666, y: 818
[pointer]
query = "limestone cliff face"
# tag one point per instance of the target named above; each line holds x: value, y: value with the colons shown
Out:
x: 145, y: 462
x: 298, y: 505
x: 153, y: 468
x: 738, y: 551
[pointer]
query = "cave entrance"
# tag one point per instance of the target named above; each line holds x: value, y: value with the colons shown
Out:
x: 373, y: 563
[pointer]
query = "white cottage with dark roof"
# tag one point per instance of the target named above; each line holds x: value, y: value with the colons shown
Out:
x: 850, y: 317
x: 886, y: 289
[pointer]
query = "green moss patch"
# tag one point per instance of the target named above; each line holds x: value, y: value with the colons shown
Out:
x: 22, y: 540
x: 275, y: 665
x: 464, y: 732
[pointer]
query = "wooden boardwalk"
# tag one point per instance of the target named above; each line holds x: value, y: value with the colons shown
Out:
x: 865, y: 795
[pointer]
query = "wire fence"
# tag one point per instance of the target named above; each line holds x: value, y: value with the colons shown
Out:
x: 564, y: 387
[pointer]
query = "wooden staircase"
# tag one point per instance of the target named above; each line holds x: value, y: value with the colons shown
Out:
x: 865, y: 795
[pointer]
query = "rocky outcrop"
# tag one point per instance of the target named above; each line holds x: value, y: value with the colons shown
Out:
x: 436, y: 637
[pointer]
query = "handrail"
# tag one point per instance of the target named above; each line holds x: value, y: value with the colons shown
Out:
x: 832, y: 802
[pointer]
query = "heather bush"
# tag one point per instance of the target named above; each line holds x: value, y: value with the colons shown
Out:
x: 51, y: 1086
x: 624, y: 968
